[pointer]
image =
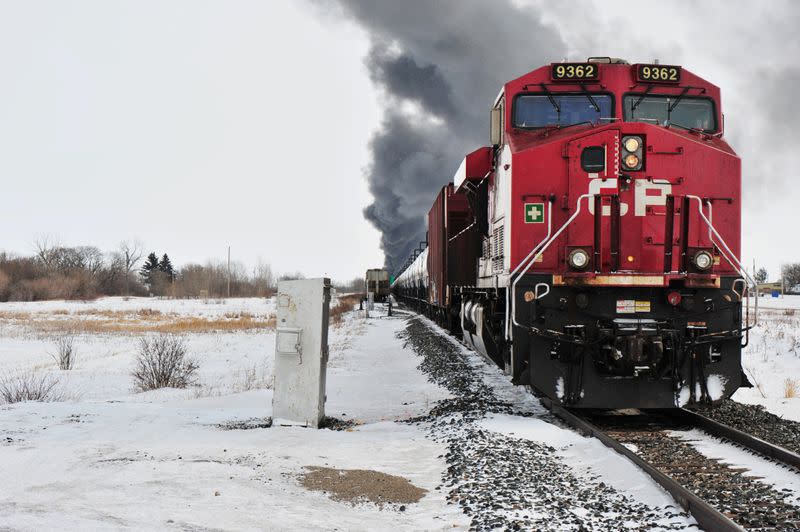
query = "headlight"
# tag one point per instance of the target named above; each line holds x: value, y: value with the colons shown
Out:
x: 631, y: 161
x: 631, y: 144
x: 578, y: 259
x: 703, y: 260
x: 632, y: 156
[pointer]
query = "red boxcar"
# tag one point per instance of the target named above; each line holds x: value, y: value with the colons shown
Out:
x: 453, y: 248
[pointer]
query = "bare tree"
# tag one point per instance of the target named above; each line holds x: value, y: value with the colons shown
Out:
x: 291, y: 276
x: 130, y: 253
x: 88, y: 258
x: 47, y: 247
x: 263, y: 278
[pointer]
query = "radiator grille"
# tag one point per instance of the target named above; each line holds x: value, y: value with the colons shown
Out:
x: 498, y: 244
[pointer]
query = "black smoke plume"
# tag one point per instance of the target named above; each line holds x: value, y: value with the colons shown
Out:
x: 439, y: 66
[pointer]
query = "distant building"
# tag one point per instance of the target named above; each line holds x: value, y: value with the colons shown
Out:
x: 769, y: 288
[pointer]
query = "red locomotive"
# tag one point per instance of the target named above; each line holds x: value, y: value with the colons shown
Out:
x: 592, y: 251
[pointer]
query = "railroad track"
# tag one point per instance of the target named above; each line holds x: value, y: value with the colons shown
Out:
x: 762, y: 447
x: 728, y: 500
x: 717, y: 496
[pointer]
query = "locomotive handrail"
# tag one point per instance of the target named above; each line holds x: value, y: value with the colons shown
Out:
x: 536, y: 294
x: 733, y: 261
x: 539, y: 249
x: 744, y: 287
x: 543, y: 245
x: 475, y: 216
x: 525, y: 260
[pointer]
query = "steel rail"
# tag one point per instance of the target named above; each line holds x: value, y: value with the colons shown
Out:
x: 707, y: 516
x: 749, y: 441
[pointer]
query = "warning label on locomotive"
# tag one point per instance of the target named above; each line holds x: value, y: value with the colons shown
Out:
x: 631, y: 306
x: 534, y: 213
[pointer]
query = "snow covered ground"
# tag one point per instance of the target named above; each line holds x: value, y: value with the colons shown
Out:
x: 111, y: 458
x: 107, y: 457
x: 772, y: 359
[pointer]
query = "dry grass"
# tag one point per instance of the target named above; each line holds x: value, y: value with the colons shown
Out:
x: 755, y: 378
x: 29, y: 386
x: 66, y: 353
x: 345, y: 304
x: 138, y: 322
x: 791, y: 387
x: 252, y: 378
x: 15, y: 316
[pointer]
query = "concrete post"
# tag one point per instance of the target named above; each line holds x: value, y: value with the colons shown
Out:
x: 301, y: 352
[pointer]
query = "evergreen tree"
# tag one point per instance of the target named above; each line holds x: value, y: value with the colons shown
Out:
x: 150, y: 265
x: 165, y: 266
x: 761, y: 276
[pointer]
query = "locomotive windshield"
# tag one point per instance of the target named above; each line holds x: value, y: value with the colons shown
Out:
x: 542, y: 110
x: 688, y: 112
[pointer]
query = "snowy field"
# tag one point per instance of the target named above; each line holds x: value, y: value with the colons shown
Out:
x: 108, y: 457
x: 772, y: 358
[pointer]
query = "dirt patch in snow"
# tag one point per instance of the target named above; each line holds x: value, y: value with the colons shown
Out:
x: 361, y: 485
x: 326, y: 422
x: 247, y: 424
x: 334, y: 423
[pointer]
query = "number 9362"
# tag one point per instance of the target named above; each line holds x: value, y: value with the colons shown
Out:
x: 659, y: 73
x: 568, y: 71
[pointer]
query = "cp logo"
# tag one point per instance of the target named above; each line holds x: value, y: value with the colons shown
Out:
x: 646, y: 193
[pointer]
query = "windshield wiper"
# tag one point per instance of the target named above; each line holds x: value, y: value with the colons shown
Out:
x: 589, y: 97
x: 577, y: 124
x: 641, y: 97
x: 695, y: 129
x: 677, y: 100
x: 548, y: 127
x: 552, y: 100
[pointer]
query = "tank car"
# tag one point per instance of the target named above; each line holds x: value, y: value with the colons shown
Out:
x: 593, y: 249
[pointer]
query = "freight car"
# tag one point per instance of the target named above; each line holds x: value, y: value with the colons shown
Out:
x: 593, y: 249
x: 376, y: 280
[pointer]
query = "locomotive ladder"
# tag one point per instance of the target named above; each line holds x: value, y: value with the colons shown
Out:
x: 542, y: 289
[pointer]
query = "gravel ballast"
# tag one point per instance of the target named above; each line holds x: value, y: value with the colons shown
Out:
x: 505, y: 482
x: 755, y: 420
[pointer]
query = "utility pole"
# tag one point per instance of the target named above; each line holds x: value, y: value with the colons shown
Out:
x: 229, y: 271
x: 783, y: 281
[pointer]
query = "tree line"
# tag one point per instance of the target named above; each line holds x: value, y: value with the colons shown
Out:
x: 85, y: 272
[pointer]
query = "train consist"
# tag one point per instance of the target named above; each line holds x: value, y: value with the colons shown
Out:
x: 592, y: 251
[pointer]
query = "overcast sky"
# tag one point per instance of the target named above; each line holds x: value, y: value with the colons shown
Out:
x: 197, y: 125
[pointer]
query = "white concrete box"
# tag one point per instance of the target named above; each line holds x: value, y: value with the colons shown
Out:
x: 301, y: 352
